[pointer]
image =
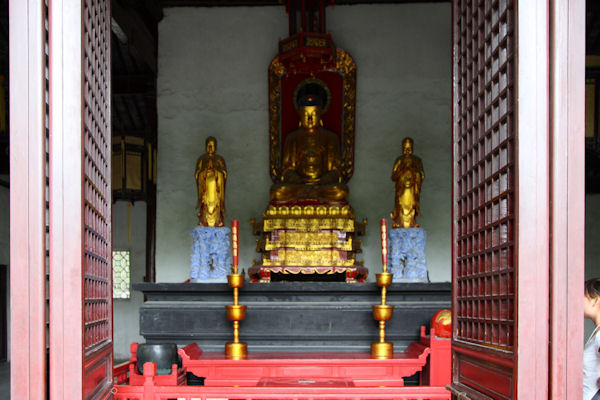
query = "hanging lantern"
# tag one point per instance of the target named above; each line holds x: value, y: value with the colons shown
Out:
x: 133, y: 162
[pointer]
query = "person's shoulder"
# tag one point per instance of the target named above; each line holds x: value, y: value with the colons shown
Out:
x: 596, y: 338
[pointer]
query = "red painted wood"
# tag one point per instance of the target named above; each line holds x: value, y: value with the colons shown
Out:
x: 27, y: 228
x: 532, y: 235
x: 438, y: 371
x: 548, y: 203
x: 358, y: 367
x: 288, y: 370
x: 275, y: 388
x: 66, y: 176
x: 484, y: 357
x: 567, y: 69
x: 120, y: 373
x: 488, y: 381
x: 151, y: 392
x: 484, y: 192
x: 80, y: 200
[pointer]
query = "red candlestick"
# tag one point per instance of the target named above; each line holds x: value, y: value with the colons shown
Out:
x: 384, y: 241
x: 235, y: 226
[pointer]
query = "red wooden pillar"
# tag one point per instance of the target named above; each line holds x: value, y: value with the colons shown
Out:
x: 531, y: 356
x: 27, y: 200
x: 567, y: 188
x: 66, y: 193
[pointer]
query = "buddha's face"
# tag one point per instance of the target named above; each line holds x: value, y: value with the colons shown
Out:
x: 310, y: 116
x: 407, y: 147
x: 211, y: 147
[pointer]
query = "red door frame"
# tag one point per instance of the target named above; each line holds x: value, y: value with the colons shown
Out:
x: 567, y: 196
x: 71, y: 373
x: 80, y: 200
x: 27, y: 200
x: 66, y: 196
x: 547, y: 358
x: 550, y: 182
x: 532, y: 231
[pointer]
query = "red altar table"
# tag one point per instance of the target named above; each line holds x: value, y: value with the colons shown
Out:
x: 295, y: 376
x: 261, y: 368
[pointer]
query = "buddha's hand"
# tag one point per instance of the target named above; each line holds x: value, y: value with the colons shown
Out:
x: 291, y: 176
x: 332, y: 176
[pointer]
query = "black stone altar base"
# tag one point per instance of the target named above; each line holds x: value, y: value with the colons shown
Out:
x: 288, y: 316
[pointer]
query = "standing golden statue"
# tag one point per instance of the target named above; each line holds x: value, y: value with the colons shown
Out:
x: 408, y: 175
x: 211, y: 175
x: 311, y: 159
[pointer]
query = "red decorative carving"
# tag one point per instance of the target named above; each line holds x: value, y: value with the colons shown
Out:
x: 290, y: 375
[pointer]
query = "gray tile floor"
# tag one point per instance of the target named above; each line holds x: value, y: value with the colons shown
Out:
x: 5, y: 380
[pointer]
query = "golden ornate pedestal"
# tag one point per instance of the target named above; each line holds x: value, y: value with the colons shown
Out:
x: 313, y: 239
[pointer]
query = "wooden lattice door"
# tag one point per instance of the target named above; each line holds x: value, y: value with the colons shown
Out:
x: 517, y: 198
x: 484, y: 194
x: 81, y: 346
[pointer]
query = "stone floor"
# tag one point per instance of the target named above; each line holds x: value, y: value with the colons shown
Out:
x: 5, y: 380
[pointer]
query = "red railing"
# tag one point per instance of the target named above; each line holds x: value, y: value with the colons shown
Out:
x: 278, y: 381
x: 150, y: 392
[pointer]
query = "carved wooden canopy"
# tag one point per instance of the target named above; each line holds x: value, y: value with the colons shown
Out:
x: 339, y: 81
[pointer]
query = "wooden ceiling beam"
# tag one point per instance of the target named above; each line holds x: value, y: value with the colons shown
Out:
x: 133, y: 33
x: 142, y: 133
x: 133, y: 84
x: 235, y: 3
x: 154, y: 9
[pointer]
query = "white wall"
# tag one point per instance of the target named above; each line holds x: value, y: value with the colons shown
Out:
x: 126, y: 311
x: 213, y: 81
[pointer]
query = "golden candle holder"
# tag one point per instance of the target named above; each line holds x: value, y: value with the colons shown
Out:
x: 235, y: 350
x: 383, y: 312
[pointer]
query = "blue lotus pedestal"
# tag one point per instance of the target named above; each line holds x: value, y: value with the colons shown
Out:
x: 407, y: 254
x: 211, y: 254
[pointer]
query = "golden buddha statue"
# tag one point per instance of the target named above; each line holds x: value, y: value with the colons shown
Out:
x: 408, y: 175
x: 211, y: 175
x: 311, y: 159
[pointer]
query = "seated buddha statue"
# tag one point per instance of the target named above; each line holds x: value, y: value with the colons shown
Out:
x: 211, y: 174
x: 311, y: 160
x: 408, y: 175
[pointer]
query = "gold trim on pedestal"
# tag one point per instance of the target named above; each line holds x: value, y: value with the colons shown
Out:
x: 347, y: 67
x: 313, y: 258
x: 308, y: 224
x: 309, y: 241
x: 309, y: 211
x: 308, y: 271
